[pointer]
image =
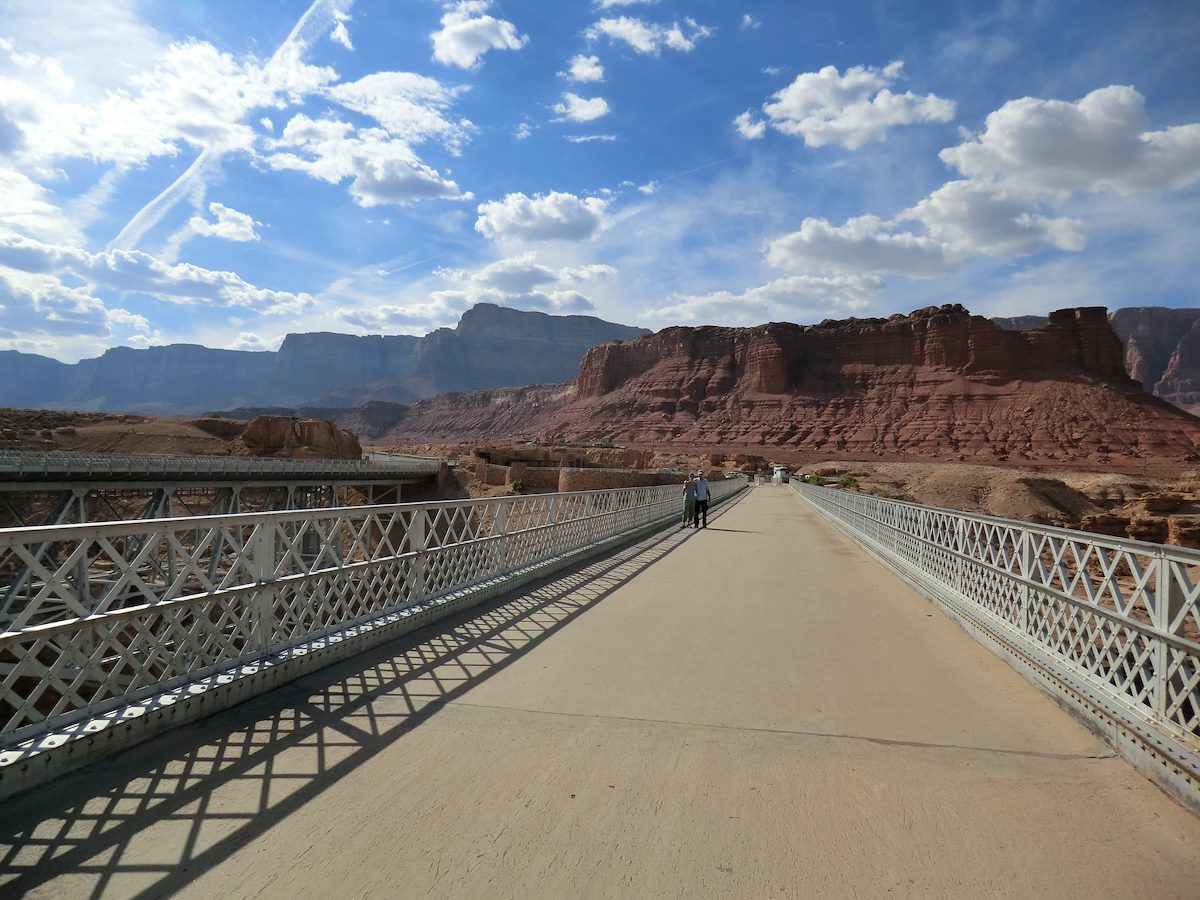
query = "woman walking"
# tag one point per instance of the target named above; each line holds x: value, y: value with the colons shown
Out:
x: 689, y: 500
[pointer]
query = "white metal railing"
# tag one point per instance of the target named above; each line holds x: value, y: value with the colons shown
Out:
x: 57, y: 464
x: 95, y: 617
x: 1120, y: 616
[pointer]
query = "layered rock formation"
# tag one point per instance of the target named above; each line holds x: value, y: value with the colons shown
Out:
x: 1162, y: 349
x: 938, y: 382
x: 299, y: 439
x: 492, y: 346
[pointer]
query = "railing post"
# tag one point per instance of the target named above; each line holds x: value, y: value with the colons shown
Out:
x: 553, y: 524
x: 589, y: 504
x: 1025, y: 562
x: 262, y: 556
x: 500, y: 529
x: 418, y: 541
x: 1167, y: 603
x: 960, y: 540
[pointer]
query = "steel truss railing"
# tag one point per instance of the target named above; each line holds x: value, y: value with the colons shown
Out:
x: 96, y: 617
x: 1122, y: 617
x: 52, y: 465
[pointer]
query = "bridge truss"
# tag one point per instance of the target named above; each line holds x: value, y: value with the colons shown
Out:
x: 96, y: 617
x: 58, y: 488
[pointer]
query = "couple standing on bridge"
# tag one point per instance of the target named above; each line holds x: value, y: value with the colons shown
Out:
x: 695, y: 500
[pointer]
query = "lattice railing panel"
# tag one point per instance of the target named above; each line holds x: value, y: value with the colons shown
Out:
x: 1124, y: 615
x: 96, y: 616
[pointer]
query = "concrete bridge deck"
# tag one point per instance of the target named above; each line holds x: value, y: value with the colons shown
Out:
x: 754, y: 710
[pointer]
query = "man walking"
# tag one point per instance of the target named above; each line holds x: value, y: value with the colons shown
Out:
x: 701, y: 500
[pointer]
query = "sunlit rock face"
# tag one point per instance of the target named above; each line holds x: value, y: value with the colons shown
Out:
x: 938, y: 382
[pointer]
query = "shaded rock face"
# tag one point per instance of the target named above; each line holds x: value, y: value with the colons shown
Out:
x: 492, y: 346
x: 308, y: 367
x: 299, y: 438
x: 1162, y: 351
x: 939, y: 383
x: 29, y: 380
x: 495, y: 346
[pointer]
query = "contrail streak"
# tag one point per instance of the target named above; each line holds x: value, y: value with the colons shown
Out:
x: 152, y: 213
x: 300, y: 38
x: 410, y: 265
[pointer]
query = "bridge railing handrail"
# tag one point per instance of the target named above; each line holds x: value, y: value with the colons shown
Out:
x: 33, y: 463
x: 1122, y: 616
x: 94, y: 617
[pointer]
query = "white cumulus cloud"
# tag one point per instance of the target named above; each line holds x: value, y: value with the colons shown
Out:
x: 468, y: 32
x: 792, y: 298
x: 413, y: 108
x: 645, y: 37
x: 1100, y: 143
x: 978, y: 217
x: 133, y: 270
x: 522, y: 282
x: 227, y: 223
x: 1031, y: 159
x: 340, y: 33
x: 583, y: 69
x: 573, y: 108
x: 851, y: 109
x: 862, y: 244
x: 750, y: 128
x: 381, y: 169
x: 553, y: 216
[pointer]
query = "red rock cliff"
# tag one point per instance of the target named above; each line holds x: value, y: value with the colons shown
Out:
x: 938, y: 382
x: 782, y: 358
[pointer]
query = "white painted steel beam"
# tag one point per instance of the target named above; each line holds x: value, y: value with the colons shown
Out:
x: 100, y: 619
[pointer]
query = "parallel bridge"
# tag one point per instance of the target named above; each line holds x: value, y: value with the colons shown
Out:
x: 58, y: 487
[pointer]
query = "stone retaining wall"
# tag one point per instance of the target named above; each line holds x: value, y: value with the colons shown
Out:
x: 608, y: 479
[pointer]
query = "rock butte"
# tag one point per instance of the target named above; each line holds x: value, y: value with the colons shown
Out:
x: 937, y: 382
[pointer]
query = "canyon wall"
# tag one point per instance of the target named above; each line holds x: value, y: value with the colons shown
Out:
x: 491, y: 346
x: 939, y: 382
x: 1162, y: 349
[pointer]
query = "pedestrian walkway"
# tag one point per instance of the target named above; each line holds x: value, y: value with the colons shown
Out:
x: 756, y: 709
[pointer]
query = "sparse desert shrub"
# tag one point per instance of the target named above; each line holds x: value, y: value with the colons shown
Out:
x: 848, y: 481
x: 518, y: 487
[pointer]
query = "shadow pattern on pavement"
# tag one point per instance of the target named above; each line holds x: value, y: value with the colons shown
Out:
x: 178, y: 795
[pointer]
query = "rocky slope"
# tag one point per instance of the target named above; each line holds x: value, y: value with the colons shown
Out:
x: 938, y: 383
x: 491, y: 346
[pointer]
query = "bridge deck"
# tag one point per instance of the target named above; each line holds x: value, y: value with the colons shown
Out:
x: 754, y: 710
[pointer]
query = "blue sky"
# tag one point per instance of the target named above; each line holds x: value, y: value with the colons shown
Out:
x: 225, y: 173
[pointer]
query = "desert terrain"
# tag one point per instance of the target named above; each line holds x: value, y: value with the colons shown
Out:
x: 1150, y: 499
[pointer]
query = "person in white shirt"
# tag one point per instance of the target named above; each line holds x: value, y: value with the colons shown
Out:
x: 701, y: 501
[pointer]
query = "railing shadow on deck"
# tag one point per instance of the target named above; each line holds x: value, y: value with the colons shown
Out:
x: 185, y: 792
